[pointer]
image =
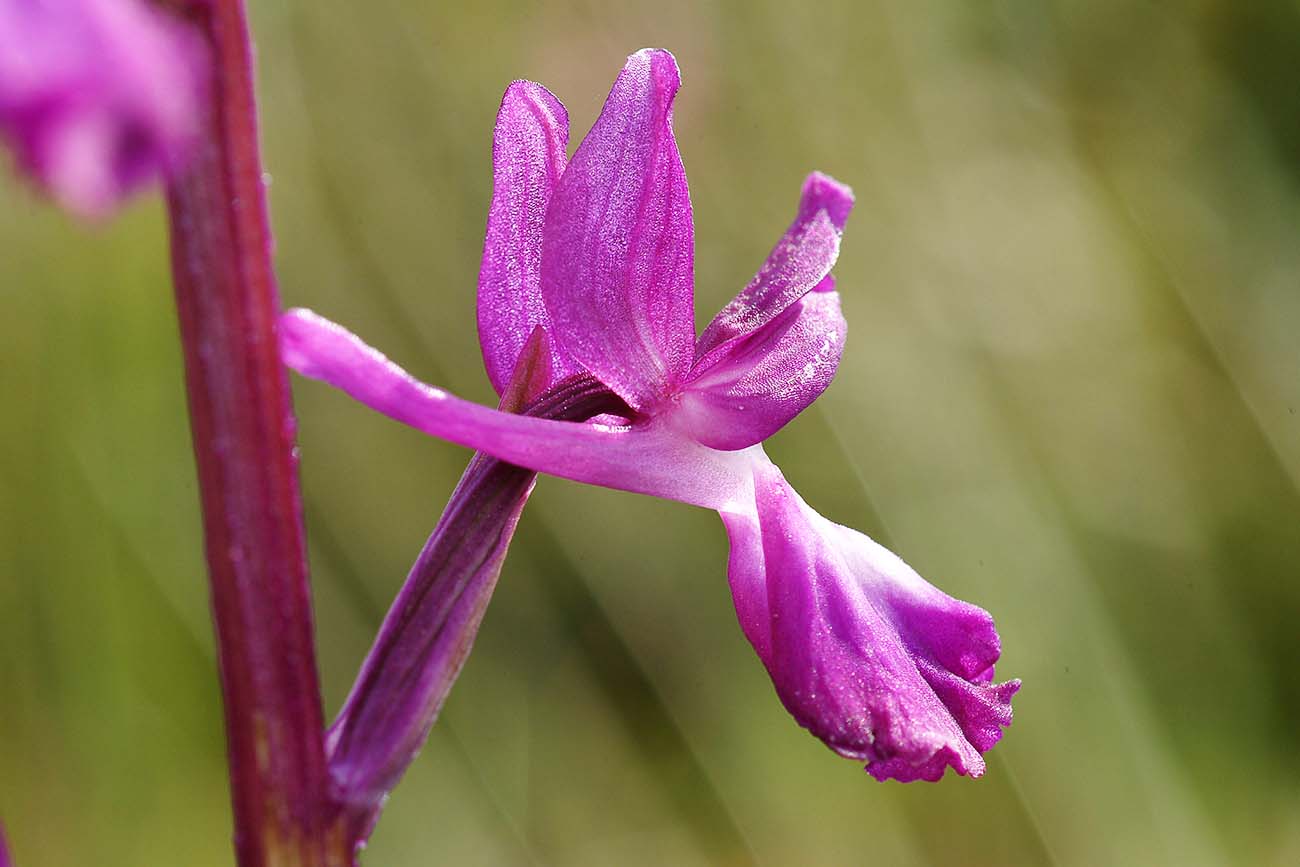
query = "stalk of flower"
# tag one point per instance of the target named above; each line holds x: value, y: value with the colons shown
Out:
x: 243, y: 432
x: 5, y: 861
x: 877, y: 663
x: 98, y: 97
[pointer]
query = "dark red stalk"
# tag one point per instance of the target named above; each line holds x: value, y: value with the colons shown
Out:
x: 243, y: 430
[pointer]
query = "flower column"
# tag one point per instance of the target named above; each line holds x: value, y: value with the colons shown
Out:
x: 243, y: 430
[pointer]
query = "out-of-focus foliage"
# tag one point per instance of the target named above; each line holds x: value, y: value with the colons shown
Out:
x: 1070, y: 395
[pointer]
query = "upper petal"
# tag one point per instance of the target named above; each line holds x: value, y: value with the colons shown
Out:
x: 528, y: 157
x: 98, y: 97
x: 618, y: 252
x: 796, y: 265
x: 874, y: 661
x: 750, y: 388
x: 651, y: 458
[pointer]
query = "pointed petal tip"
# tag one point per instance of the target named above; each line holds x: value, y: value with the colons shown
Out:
x: 822, y: 192
x: 651, y: 71
x: 300, y: 330
x: 293, y: 328
x: 521, y: 90
x: 661, y: 63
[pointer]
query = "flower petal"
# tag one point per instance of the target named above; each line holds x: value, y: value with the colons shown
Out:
x: 98, y: 97
x: 528, y: 157
x: 754, y: 386
x: 866, y: 655
x: 796, y: 265
x: 619, y: 247
x: 651, y: 458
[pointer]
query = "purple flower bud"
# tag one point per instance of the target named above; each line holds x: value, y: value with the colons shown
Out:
x: 97, y: 97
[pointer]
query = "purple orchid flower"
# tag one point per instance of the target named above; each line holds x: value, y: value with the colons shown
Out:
x: 863, y: 652
x: 97, y: 97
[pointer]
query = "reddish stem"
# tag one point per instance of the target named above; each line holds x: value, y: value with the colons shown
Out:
x: 243, y: 430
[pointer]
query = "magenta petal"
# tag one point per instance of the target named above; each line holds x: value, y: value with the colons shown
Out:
x: 866, y: 655
x: 796, y: 265
x: 619, y: 248
x: 756, y: 385
x: 97, y: 97
x: 650, y: 458
x: 528, y: 157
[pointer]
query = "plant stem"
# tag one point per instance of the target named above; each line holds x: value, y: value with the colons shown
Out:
x: 243, y: 430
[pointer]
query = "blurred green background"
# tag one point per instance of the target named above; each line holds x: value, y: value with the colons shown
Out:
x: 1070, y: 395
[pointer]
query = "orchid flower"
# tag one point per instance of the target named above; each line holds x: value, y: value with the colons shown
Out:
x: 97, y: 97
x: 863, y: 652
